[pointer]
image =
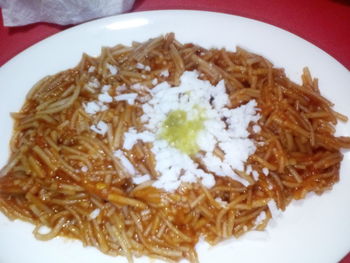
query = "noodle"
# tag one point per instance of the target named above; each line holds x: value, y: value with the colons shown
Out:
x: 63, y: 175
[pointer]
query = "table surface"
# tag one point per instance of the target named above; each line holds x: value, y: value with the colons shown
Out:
x: 325, y: 23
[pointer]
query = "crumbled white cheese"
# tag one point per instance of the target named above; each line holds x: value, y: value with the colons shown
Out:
x: 84, y: 169
x: 164, y: 73
x: 140, y: 66
x: 256, y: 128
x: 112, y: 69
x: 221, y: 168
x: 121, y: 88
x: 92, y: 107
x: 125, y: 162
x: 101, y: 127
x: 265, y: 171
x: 275, y: 212
x: 223, y: 127
x: 141, y: 179
x: 137, y: 86
x: 154, y: 82
x: 131, y: 137
x: 206, y: 141
x: 260, y: 218
x: 176, y: 167
x: 260, y: 143
x: 94, y: 214
x: 221, y: 202
x: 93, y: 83
x: 129, y: 97
x: 241, y: 117
x: 105, y: 88
x: 140, y: 87
x: 103, y: 106
x: 249, y: 169
x: 105, y: 97
x: 145, y: 212
x: 144, y: 98
x: 91, y: 69
x: 255, y: 175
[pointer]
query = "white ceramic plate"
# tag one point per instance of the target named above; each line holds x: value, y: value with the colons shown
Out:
x: 314, y: 230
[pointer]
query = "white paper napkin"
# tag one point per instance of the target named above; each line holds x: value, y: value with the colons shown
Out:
x: 63, y: 12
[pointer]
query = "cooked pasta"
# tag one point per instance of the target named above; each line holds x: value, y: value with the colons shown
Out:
x: 69, y: 169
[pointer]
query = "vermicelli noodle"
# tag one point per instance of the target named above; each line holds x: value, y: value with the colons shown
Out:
x: 69, y: 169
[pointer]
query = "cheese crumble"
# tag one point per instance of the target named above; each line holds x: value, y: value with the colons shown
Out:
x: 265, y: 171
x: 141, y: 179
x: 94, y: 214
x: 220, y: 129
x: 112, y: 69
x: 129, y: 97
x: 101, y: 127
x: 125, y: 162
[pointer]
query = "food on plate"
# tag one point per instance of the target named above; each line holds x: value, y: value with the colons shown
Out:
x: 150, y: 147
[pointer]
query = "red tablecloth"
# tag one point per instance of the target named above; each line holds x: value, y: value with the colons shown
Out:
x: 325, y: 23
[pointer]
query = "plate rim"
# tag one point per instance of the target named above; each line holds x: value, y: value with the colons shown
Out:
x: 128, y: 15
